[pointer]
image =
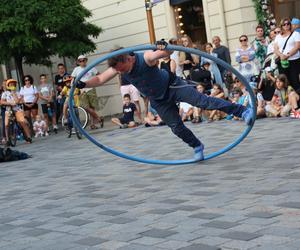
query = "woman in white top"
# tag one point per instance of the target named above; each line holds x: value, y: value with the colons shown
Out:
x: 29, y: 97
x: 290, y: 52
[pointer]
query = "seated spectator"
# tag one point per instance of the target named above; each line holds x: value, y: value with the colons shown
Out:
x: 284, y: 99
x: 168, y: 64
x: 127, y: 121
x: 236, y: 97
x: 185, y: 111
x: 39, y: 127
x: 66, y: 93
x: 217, y: 92
x: 260, y: 102
x: 201, y: 74
x: 11, y: 99
x: 267, y: 85
x: 152, y: 118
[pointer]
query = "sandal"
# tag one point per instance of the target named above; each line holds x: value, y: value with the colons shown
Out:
x: 93, y: 126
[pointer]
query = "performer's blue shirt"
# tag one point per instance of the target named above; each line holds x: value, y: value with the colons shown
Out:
x: 150, y: 81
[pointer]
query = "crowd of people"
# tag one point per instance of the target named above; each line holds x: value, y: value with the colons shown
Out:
x: 270, y: 64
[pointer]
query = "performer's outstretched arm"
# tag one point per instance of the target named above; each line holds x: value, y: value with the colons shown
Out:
x: 102, y: 78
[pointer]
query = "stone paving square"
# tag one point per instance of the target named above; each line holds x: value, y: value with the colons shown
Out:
x: 74, y: 196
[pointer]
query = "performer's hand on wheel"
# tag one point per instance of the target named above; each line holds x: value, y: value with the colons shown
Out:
x: 161, y: 44
x: 80, y: 84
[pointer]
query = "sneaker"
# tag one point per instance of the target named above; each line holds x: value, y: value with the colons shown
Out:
x: 124, y: 126
x: 46, y: 134
x: 198, y: 153
x: 55, y: 128
x: 247, y: 116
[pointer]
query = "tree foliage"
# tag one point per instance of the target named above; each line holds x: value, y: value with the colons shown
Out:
x: 33, y: 30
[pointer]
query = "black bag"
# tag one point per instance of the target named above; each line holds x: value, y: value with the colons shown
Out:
x: 6, y: 154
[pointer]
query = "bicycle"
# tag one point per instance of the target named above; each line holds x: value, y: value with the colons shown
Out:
x: 83, y: 117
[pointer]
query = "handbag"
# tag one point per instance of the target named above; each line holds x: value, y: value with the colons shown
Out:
x: 283, y: 64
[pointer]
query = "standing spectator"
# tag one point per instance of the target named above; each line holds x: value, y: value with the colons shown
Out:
x: 272, y: 36
x: 222, y: 52
x: 127, y: 121
x: 186, y: 60
x: 245, y: 56
x: 59, y: 83
x: 46, y: 97
x: 175, y: 56
x: 127, y: 88
x: 88, y: 98
x: 287, y: 48
x: 29, y: 97
x: 213, y: 66
x: 260, y: 45
x: 295, y: 24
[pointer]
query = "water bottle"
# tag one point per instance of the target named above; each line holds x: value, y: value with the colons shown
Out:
x: 49, y: 112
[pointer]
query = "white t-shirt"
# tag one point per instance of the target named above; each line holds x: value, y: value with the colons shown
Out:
x: 28, y: 93
x: 175, y: 57
x: 87, y: 76
x: 280, y: 41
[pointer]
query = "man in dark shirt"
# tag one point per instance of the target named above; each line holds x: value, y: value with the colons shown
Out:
x: 59, y: 83
x: 222, y: 52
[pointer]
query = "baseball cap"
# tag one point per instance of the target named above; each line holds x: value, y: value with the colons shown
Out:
x: 81, y: 57
x: 295, y: 21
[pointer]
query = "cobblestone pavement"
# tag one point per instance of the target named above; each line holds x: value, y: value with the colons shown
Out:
x: 72, y: 195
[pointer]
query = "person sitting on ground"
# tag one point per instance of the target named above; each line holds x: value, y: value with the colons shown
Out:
x: 284, y: 99
x: 141, y: 68
x: 39, y: 127
x: 267, y: 85
x: 66, y: 92
x: 185, y: 111
x: 127, y: 121
x: 217, y: 92
x: 11, y: 99
x: 153, y: 118
x: 260, y: 102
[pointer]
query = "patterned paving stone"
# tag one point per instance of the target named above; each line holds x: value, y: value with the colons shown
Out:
x: 78, y: 222
x: 36, y: 232
x: 220, y: 224
x: 263, y: 215
x: 33, y: 224
x: 187, y: 208
x: 158, y: 233
x: 271, y: 192
x: 199, y: 247
x: 161, y: 211
x: 173, y: 201
x: 290, y: 204
x: 67, y: 214
x: 206, y: 216
x: 90, y: 241
x: 112, y: 212
x: 120, y: 220
x: 240, y: 235
x: 204, y: 193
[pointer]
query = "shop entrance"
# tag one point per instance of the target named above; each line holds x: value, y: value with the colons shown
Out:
x: 189, y: 19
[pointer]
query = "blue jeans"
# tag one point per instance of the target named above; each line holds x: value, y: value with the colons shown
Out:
x: 180, y: 91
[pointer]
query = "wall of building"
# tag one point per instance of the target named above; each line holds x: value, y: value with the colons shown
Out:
x: 124, y: 23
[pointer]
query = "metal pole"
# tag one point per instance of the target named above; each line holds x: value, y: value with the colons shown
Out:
x: 148, y: 6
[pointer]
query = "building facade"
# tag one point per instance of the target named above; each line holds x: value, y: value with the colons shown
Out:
x: 124, y: 23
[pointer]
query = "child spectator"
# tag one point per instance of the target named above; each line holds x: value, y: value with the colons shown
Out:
x: 197, y: 111
x: 284, y: 99
x: 127, y: 121
x: 267, y: 85
x: 66, y: 92
x: 152, y: 118
x: 40, y: 127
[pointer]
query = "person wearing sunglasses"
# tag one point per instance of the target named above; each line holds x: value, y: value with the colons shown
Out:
x: 287, y: 48
x: 245, y: 56
x: 88, y: 98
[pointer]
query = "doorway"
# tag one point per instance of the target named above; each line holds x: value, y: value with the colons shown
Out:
x: 189, y: 20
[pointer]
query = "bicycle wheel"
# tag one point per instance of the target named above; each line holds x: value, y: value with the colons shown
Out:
x: 83, y: 118
x: 12, y: 134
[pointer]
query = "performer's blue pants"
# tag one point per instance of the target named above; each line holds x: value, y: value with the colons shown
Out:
x: 180, y: 91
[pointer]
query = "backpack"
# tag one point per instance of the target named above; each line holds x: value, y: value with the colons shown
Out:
x: 6, y: 154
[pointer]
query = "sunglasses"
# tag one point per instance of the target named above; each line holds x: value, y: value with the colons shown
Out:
x: 286, y: 24
x: 243, y: 40
x: 27, y: 80
x: 81, y: 60
x: 277, y: 32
